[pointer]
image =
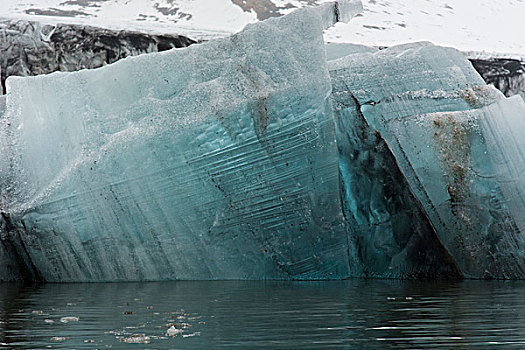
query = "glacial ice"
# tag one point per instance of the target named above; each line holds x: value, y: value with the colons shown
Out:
x: 215, y: 161
x: 503, y: 128
x: 394, y: 236
x: 250, y: 157
x: 424, y: 124
x: 339, y: 50
x: 11, y: 268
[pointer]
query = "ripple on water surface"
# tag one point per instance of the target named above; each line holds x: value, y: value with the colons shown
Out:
x: 197, y: 315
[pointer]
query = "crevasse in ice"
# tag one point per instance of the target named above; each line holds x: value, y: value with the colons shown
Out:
x: 215, y: 161
x: 423, y: 112
x: 393, y: 236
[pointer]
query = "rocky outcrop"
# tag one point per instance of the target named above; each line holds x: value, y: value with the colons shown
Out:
x: 31, y: 48
x: 508, y: 75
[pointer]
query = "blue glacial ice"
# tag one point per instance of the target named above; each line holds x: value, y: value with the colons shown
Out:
x: 13, y: 265
x: 251, y: 157
x: 211, y: 162
x: 431, y: 124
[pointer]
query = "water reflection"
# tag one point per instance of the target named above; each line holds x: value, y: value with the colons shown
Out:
x: 197, y: 315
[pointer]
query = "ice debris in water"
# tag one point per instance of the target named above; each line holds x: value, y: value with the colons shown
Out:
x: 214, y: 161
x: 59, y: 339
x: 172, y: 331
x: 458, y: 187
x: 67, y: 319
x: 135, y: 339
x: 194, y: 334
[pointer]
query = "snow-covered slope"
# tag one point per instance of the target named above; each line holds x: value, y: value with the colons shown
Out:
x: 470, y: 25
x: 199, y: 18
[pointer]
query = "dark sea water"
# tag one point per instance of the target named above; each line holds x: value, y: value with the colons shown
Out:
x: 352, y: 314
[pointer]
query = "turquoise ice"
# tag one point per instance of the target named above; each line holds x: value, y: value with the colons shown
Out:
x: 250, y: 157
x: 217, y: 161
x: 418, y: 108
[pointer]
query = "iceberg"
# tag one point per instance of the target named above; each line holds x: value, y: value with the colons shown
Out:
x: 265, y: 155
x: 217, y: 161
x: 422, y: 120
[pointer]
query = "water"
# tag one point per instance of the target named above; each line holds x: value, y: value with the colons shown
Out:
x: 279, y: 315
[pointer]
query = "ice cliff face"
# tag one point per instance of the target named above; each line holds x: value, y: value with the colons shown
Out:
x: 30, y: 48
x: 264, y: 155
x: 217, y: 161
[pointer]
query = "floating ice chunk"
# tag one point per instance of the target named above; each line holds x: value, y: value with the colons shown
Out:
x: 392, y: 232
x: 67, y: 319
x: 215, y: 161
x: 172, y: 331
x: 59, y: 339
x: 194, y: 334
x: 135, y: 339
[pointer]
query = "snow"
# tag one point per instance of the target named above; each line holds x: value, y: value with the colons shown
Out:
x: 201, y: 19
x: 480, y: 26
x: 468, y: 25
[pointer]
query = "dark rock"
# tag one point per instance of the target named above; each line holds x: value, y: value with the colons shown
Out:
x: 507, y: 75
x: 30, y: 48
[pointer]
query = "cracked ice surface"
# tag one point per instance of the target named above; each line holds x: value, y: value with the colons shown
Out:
x: 429, y: 118
x: 215, y: 161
